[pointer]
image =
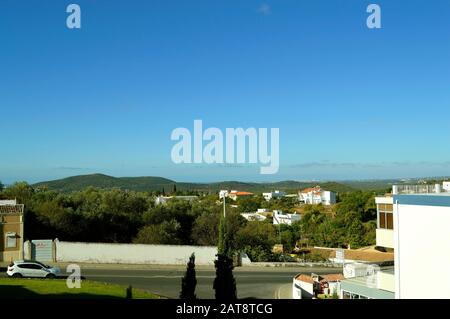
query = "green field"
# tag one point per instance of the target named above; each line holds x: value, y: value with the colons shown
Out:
x: 45, y: 288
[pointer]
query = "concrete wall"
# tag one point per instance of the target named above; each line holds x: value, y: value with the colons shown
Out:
x: 421, y: 239
x: 133, y: 253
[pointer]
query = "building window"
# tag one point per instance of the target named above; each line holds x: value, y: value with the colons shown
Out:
x: 10, y: 240
x: 385, y: 216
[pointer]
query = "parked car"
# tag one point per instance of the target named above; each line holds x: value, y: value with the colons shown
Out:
x: 31, y: 268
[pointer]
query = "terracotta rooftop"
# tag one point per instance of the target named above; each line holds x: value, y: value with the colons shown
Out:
x: 11, y: 209
x: 332, y: 277
x: 305, y: 278
x: 241, y: 193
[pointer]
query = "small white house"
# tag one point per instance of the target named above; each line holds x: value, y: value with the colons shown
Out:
x: 284, y: 218
x: 302, y: 287
x: 305, y: 287
x: 254, y: 217
x: 446, y: 186
x: 274, y: 194
x: 162, y: 200
x: 316, y: 196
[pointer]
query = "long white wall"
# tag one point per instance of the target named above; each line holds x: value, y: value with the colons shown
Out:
x: 133, y: 253
x: 422, y: 237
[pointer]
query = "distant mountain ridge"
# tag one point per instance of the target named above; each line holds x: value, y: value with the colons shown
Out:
x: 152, y: 183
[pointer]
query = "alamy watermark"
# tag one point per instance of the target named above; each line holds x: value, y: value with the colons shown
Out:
x: 74, y: 279
x: 374, y: 19
x: 227, y: 148
x: 73, y: 21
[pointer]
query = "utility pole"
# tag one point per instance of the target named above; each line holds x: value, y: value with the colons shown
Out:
x: 224, y: 211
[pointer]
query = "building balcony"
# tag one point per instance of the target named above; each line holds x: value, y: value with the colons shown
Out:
x: 385, y: 237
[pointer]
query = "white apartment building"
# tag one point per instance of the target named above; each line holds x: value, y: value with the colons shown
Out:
x: 316, y: 195
x: 284, y: 218
x: 421, y: 242
x: 414, y: 220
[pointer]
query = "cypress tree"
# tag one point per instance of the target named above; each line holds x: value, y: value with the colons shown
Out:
x: 224, y: 283
x: 222, y: 247
x: 189, y: 281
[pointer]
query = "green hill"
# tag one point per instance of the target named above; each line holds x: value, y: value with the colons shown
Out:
x: 76, y: 183
x: 149, y: 183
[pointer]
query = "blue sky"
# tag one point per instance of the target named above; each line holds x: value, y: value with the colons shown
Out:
x: 350, y: 102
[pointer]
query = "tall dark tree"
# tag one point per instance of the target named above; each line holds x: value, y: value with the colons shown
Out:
x: 189, y: 281
x: 1, y: 186
x: 224, y: 283
x: 223, y: 246
x: 174, y: 189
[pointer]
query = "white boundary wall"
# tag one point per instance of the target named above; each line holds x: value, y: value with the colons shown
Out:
x: 133, y: 253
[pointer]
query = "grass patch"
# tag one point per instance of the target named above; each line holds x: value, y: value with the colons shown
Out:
x: 16, y: 288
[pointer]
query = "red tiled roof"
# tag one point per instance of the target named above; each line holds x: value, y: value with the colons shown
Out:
x: 242, y: 193
x: 305, y: 278
x: 11, y: 209
x: 332, y: 277
x: 312, y: 189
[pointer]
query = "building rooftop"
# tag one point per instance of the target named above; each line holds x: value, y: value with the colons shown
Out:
x: 11, y: 209
x: 436, y: 189
x: 305, y: 278
x: 332, y: 277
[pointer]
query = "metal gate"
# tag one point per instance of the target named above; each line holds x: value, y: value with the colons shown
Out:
x: 42, y: 250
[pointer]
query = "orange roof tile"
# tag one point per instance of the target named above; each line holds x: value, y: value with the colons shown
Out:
x: 332, y: 277
x: 305, y: 278
x: 243, y: 193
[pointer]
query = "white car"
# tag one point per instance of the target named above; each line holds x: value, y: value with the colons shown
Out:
x: 31, y: 268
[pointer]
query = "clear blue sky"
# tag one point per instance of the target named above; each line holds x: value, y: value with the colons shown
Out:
x: 350, y: 102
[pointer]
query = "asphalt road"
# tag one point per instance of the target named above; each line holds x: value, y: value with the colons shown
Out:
x: 254, y: 282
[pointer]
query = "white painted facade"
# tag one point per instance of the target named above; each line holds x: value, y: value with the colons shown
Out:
x: 302, y: 289
x: 284, y: 218
x: 446, y: 186
x: 161, y: 200
x: 8, y: 202
x: 315, y: 196
x: 274, y: 194
x: 384, y: 237
x: 421, y: 240
x: 254, y: 217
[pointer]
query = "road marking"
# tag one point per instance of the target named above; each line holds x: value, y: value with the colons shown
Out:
x: 278, y: 291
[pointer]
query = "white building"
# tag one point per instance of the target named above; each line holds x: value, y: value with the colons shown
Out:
x: 316, y: 195
x: 305, y: 287
x: 274, y: 194
x: 414, y: 221
x: 284, y: 218
x: 446, y: 186
x: 254, y: 217
x: 162, y: 200
x: 421, y: 243
x: 302, y: 287
x: 234, y: 194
